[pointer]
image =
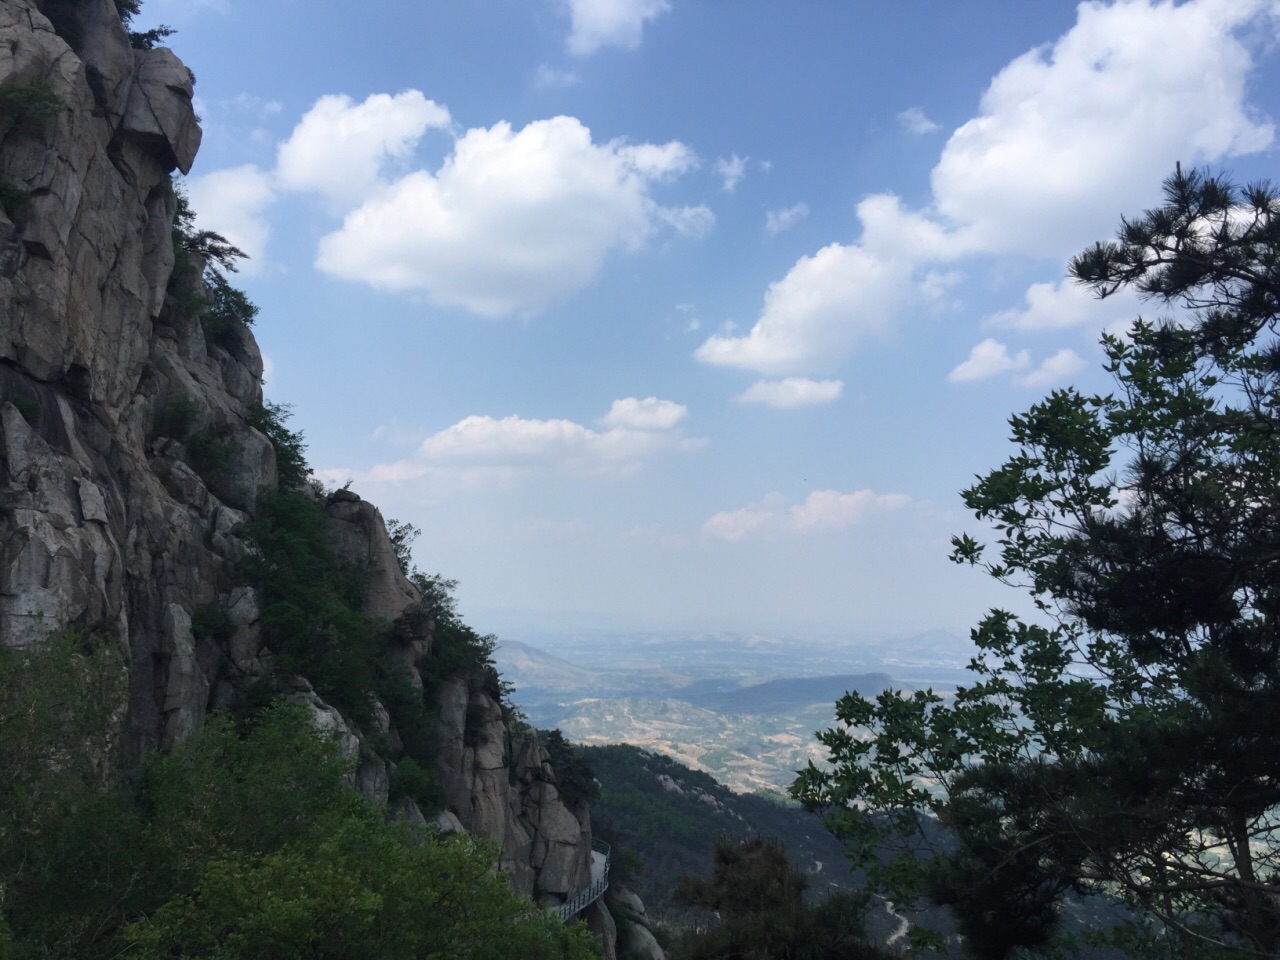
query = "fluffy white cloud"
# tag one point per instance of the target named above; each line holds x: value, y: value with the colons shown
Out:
x: 989, y: 359
x: 776, y: 221
x: 792, y: 392
x: 513, y: 221
x: 833, y: 510
x: 610, y: 23
x: 734, y: 525
x: 1059, y: 368
x: 233, y: 202
x: 692, y: 222
x: 913, y: 120
x: 731, y: 171
x: 339, y: 147
x: 1071, y: 133
x: 634, y: 431
x: 647, y: 414
x: 1068, y: 135
x: 822, y: 511
x: 814, y: 315
x: 1057, y: 306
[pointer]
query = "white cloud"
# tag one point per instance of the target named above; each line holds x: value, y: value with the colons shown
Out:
x: 823, y: 511
x: 776, y: 221
x: 548, y: 77
x: 989, y: 359
x: 913, y: 120
x: 1057, y: 306
x: 731, y: 171
x: 814, y: 315
x: 339, y: 147
x: 1059, y: 368
x: 734, y: 525
x: 610, y: 23
x: 634, y: 431
x: 1070, y: 133
x: 694, y: 222
x: 647, y: 414
x: 792, y: 392
x: 232, y: 202
x: 513, y: 221
x: 833, y: 510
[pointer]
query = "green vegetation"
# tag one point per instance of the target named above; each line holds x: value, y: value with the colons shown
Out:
x: 1129, y: 735
x: 245, y: 841
x: 759, y: 897
x: 228, y: 311
x: 30, y: 106
x: 670, y: 816
x: 292, y: 469
x: 15, y: 201
x: 576, y: 779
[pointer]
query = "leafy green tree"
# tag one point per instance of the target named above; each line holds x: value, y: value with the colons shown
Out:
x: 1127, y: 739
x: 759, y: 897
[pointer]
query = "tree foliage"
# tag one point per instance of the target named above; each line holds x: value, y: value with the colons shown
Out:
x: 759, y: 897
x: 245, y: 841
x: 1126, y: 739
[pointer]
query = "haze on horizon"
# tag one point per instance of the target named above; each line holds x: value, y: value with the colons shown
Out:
x: 653, y: 314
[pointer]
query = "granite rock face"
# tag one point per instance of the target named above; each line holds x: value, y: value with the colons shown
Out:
x: 105, y: 525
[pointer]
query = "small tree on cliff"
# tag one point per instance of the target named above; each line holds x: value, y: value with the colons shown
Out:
x: 1130, y: 740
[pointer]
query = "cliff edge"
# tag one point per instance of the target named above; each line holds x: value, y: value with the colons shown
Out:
x: 134, y: 454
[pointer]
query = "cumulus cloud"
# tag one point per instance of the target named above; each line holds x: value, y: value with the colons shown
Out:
x: 647, y: 414
x: 233, y: 202
x: 731, y: 171
x: 1058, y: 306
x: 776, y: 221
x: 792, y: 392
x: 513, y: 221
x: 340, y: 147
x: 1055, y: 370
x: 989, y: 359
x: 815, y: 314
x: 1070, y: 133
x: 823, y: 511
x: 610, y: 23
x: 833, y: 510
x: 734, y: 525
x: 1067, y: 135
x: 913, y: 120
x: 631, y: 433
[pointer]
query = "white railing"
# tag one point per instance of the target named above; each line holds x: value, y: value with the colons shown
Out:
x: 590, y: 893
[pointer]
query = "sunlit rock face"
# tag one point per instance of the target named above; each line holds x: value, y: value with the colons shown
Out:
x: 104, y: 524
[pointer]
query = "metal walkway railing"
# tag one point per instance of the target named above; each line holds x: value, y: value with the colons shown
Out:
x: 600, y: 857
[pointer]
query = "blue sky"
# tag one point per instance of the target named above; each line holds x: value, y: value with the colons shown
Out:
x: 664, y: 314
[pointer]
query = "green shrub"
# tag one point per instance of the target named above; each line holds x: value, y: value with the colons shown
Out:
x: 576, y: 779
x: 14, y: 201
x: 226, y: 313
x: 291, y: 462
x: 175, y: 418
x: 209, y: 454
x: 411, y: 779
x: 30, y: 106
x: 210, y: 622
x: 311, y: 611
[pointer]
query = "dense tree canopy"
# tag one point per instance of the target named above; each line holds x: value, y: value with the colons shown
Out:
x: 1126, y: 739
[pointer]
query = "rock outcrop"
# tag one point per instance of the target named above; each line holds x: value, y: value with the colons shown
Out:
x: 108, y: 380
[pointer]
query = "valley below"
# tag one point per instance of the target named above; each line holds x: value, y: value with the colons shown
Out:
x: 742, y: 708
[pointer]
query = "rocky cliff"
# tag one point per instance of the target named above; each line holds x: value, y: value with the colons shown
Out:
x: 110, y: 388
